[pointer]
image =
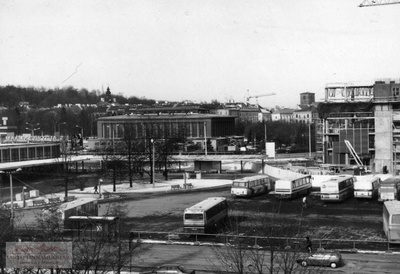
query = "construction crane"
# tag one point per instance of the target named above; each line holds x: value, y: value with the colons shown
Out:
x: 370, y: 3
x: 353, y: 153
x: 247, y: 98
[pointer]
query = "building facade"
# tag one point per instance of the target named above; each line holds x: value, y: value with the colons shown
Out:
x: 163, y: 126
x: 368, y: 117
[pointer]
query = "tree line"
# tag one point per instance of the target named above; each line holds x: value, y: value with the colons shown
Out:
x: 12, y: 96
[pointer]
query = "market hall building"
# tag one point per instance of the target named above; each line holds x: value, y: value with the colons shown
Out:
x: 195, y: 127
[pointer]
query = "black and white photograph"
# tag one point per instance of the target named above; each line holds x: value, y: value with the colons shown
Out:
x: 186, y: 136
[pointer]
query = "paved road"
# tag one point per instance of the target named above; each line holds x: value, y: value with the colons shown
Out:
x: 204, y: 260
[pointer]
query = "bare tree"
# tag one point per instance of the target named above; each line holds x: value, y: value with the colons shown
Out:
x: 269, y: 245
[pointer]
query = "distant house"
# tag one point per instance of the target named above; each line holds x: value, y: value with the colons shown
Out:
x: 304, y: 116
x: 285, y: 115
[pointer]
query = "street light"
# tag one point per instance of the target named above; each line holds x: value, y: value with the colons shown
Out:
x: 100, y: 181
x: 32, y: 128
x: 9, y: 172
x: 153, y: 161
x: 394, y: 160
x: 23, y: 196
x: 309, y: 140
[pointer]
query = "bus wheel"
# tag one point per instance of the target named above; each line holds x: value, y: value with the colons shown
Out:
x: 304, y: 263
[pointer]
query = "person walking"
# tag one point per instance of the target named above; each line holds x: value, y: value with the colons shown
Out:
x: 95, y: 190
x: 304, y: 202
x: 308, y: 244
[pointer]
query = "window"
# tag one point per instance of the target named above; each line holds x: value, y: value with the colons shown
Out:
x: 396, y: 219
x: 193, y: 216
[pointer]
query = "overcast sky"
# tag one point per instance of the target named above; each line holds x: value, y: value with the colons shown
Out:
x: 198, y: 49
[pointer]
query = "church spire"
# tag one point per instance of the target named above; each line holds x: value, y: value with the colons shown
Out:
x: 108, y: 95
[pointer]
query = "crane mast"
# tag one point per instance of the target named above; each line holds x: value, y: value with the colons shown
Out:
x: 353, y: 153
x: 370, y: 3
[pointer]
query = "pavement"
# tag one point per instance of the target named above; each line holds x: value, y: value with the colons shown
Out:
x: 145, y: 187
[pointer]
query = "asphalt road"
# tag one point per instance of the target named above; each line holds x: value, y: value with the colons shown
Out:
x: 204, y: 260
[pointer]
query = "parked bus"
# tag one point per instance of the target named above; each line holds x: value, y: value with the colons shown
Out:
x: 338, y: 188
x: 292, y: 188
x: 205, y: 216
x: 389, y: 189
x: 391, y: 221
x: 250, y: 186
x: 367, y: 187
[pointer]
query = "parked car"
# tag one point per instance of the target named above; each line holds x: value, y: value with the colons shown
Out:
x: 323, y: 258
x: 172, y: 269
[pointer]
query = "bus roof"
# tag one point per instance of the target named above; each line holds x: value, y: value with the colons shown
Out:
x: 393, y: 207
x: 251, y: 178
x: 392, y: 180
x: 368, y: 178
x: 339, y: 178
x: 363, y: 181
x: 294, y: 177
x: 205, y: 204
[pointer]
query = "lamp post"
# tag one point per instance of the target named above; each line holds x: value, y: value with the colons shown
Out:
x: 153, y: 161
x: 309, y: 140
x: 205, y: 138
x: 394, y: 160
x: 23, y: 196
x: 99, y: 187
x: 9, y: 172
x: 32, y: 128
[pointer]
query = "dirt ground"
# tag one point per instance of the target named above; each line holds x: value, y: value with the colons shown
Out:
x: 352, y: 219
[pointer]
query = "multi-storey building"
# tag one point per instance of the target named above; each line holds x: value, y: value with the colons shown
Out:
x: 368, y: 117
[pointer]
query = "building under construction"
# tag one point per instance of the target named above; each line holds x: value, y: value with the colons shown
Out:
x: 367, y: 118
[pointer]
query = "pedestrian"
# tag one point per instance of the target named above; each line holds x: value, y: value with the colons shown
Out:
x: 308, y: 244
x: 304, y: 202
x: 95, y: 190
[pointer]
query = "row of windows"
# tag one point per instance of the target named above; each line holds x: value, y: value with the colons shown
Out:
x: 346, y: 183
x: 215, y: 210
x: 139, y: 130
x: 251, y: 184
x: 301, y: 182
x: 29, y: 153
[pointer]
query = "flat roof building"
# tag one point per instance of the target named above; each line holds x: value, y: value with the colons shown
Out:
x: 166, y: 126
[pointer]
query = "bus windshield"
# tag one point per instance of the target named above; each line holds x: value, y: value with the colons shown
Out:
x: 396, y: 219
x: 193, y: 216
x: 240, y: 184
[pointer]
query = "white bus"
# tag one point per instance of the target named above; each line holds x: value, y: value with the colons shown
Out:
x: 367, y: 187
x: 389, y: 189
x: 292, y: 188
x: 338, y: 188
x: 250, y: 186
x: 391, y: 221
x: 205, y: 216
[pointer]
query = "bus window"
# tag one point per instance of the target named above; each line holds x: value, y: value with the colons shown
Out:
x: 239, y: 184
x: 194, y: 216
x: 396, y: 219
